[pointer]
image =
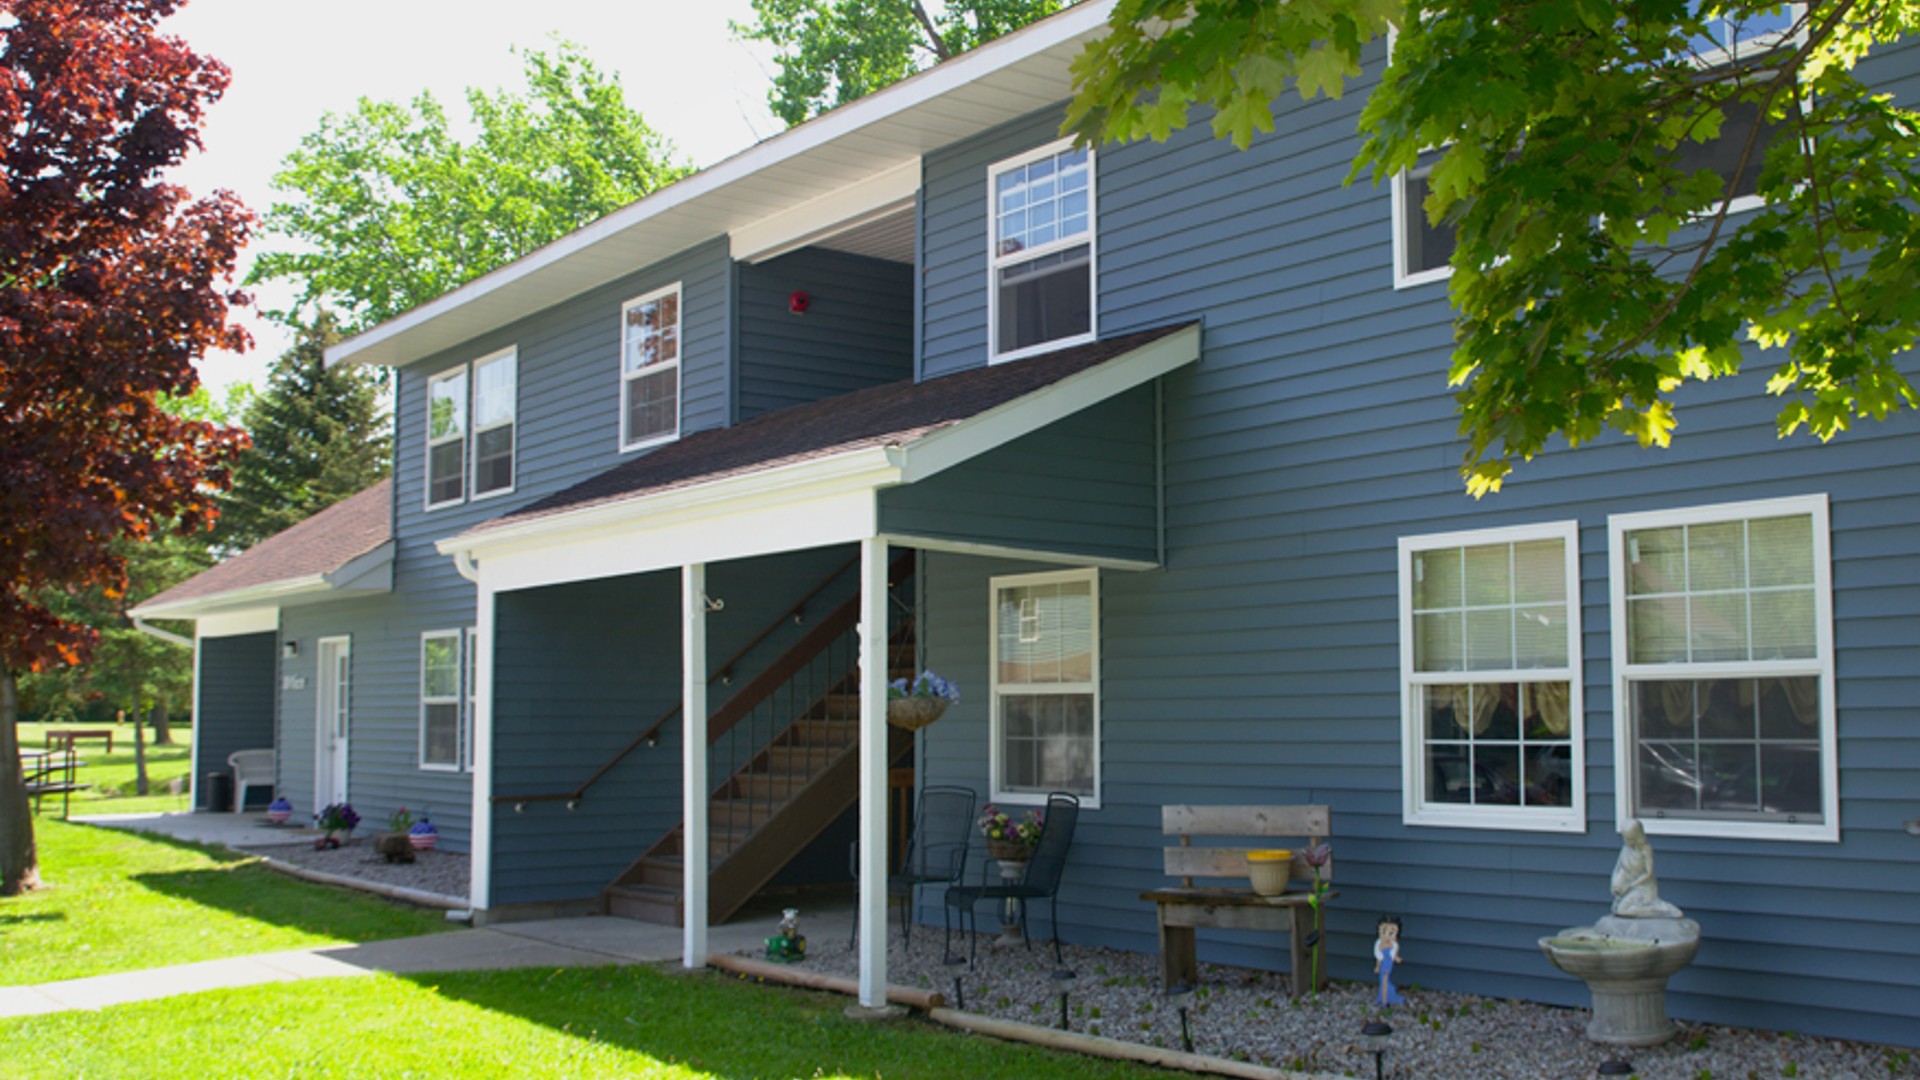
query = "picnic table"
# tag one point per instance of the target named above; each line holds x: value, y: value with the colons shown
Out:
x: 50, y: 772
x: 67, y: 736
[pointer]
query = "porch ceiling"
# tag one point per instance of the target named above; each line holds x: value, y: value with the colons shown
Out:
x: 809, y: 475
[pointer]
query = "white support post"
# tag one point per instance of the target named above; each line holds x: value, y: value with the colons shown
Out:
x: 873, y: 772
x: 693, y: 782
x: 480, y: 885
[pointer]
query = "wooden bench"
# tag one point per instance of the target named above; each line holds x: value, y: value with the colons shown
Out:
x: 1188, y: 907
x: 66, y: 736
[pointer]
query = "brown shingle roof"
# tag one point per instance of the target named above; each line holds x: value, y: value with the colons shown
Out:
x: 321, y: 544
x: 887, y: 415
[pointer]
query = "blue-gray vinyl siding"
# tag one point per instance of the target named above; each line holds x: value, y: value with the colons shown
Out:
x: 1262, y: 664
x: 580, y: 671
x: 233, y: 706
x: 1084, y: 485
x: 856, y: 332
x: 567, y: 429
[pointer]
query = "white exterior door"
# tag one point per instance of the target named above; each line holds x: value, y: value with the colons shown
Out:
x: 332, y: 722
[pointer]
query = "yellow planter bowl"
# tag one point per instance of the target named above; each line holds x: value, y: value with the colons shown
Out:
x: 1269, y: 870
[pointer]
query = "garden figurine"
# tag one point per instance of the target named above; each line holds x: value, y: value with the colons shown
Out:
x: 1386, y: 954
x: 1636, y: 892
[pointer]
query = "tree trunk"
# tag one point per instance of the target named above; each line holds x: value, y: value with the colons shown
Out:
x: 19, y: 856
x: 162, y: 726
x: 139, y: 753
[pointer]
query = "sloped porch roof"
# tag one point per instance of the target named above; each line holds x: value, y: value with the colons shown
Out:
x: 344, y: 550
x: 808, y: 475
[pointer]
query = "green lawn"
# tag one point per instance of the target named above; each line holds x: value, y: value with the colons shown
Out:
x: 120, y: 901
x: 590, y: 1022
x: 112, y: 775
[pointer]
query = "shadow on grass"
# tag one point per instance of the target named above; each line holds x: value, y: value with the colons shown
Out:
x: 733, y: 1027
x: 240, y: 886
x: 38, y: 916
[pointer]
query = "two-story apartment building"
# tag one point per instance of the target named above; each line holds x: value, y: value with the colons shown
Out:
x: 1148, y: 448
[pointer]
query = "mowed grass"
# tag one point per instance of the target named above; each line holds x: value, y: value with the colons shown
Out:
x: 113, y: 776
x: 577, y: 1022
x: 119, y: 901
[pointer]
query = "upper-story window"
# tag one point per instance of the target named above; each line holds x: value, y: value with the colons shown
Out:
x: 1423, y: 251
x: 650, y: 369
x: 447, y: 437
x: 1723, y: 668
x: 486, y: 392
x: 1040, y: 261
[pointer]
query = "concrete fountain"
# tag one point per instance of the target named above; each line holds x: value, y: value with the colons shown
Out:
x: 1626, y: 957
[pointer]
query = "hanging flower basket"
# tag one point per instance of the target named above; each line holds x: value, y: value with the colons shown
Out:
x: 913, y: 705
x: 914, y: 713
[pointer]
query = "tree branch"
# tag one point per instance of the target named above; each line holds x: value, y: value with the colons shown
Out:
x: 933, y: 34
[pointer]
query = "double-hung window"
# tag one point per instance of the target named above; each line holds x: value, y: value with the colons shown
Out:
x: 1040, y: 260
x: 650, y: 369
x: 440, y: 699
x: 485, y: 392
x: 1422, y: 251
x: 447, y: 438
x: 1490, y: 679
x: 495, y: 400
x: 1745, y: 42
x: 468, y: 719
x: 1723, y: 668
x: 1046, y: 686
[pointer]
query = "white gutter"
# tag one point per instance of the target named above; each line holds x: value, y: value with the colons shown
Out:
x: 164, y: 635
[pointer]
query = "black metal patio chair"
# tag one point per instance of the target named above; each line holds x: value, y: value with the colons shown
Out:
x: 943, y: 828
x: 1041, y: 880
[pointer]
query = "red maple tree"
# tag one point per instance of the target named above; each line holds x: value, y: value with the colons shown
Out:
x: 110, y: 286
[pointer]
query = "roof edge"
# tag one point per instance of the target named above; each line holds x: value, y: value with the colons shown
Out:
x: 1002, y: 52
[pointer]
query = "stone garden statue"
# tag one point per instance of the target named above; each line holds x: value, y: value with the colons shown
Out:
x: 1636, y: 892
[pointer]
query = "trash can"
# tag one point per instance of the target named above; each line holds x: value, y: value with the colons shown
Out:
x: 219, y: 790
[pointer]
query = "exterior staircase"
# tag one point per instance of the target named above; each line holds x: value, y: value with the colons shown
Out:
x: 787, y: 748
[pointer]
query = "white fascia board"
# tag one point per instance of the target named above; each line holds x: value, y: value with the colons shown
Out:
x: 1078, y: 22
x: 638, y: 519
x: 739, y: 532
x: 843, y: 208
x: 1002, y: 424
x: 235, y: 623
x: 1012, y: 551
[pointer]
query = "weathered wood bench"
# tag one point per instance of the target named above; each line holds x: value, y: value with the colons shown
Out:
x: 1188, y: 907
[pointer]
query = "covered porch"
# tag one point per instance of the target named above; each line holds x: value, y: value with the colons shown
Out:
x: 1054, y: 460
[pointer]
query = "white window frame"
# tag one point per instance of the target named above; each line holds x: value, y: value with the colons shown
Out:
x: 457, y: 700
x: 466, y: 425
x: 510, y: 357
x: 1415, y: 809
x: 994, y: 753
x: 470, y: 677
x: 677, y: 365
x: 1741, y: 51
x: 1404, y: 276
x: 1618, y: 526
x: 997, y: 262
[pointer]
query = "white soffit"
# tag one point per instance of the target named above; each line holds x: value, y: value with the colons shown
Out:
x: 887, y: 130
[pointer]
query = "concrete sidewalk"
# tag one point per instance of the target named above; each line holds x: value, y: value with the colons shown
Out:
x: 580, y: 942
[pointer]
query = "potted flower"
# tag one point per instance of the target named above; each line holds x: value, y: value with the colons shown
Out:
x: 336, y: 818
x: 279, y: 811
x: 400, y: 825
x: 423, y: 835
x: 913, y: 706
x: 1008, y: 839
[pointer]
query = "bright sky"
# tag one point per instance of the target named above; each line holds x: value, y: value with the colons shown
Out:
x: 677, y: 62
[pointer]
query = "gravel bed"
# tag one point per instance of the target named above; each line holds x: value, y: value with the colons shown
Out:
x: 435, y: 871
x: 1248, y: 1016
